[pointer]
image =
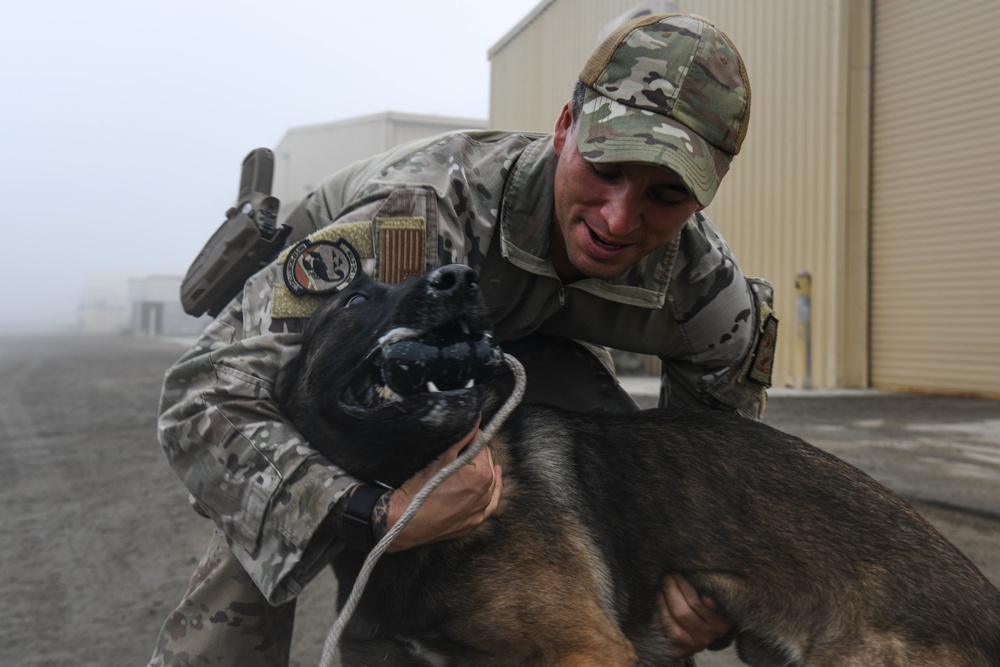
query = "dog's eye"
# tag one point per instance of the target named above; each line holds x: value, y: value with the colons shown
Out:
x: 354, y: 300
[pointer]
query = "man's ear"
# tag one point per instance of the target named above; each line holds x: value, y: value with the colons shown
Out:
x: 564, y: 125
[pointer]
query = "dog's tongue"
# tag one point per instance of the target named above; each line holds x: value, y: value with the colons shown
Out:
x: 439, y: 362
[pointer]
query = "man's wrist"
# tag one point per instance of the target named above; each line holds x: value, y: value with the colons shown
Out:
x: 363, y: 514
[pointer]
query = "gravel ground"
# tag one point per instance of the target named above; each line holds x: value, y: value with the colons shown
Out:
x: 98, y: 541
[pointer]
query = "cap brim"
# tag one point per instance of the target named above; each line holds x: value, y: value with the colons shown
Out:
x: 610, y: 131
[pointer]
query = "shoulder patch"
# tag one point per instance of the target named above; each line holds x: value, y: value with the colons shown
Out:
x: 391, y: 249
x: 400, y: 248
x: 320, y: 267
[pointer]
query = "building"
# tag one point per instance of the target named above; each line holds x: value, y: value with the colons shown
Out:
x: 103, y: 308
x: 308, y: 154
x: 154, y: 309
x: 303, y: 157
x: 868, y: 169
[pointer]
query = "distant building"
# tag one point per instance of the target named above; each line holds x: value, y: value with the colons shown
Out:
x: 308, y: 154
x: 102, y: 317
x: 303, y: 158
x: 103, y: 309
x: 154, y: 308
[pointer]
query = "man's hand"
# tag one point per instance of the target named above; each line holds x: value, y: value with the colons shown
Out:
x: 457, y: 507
x: 690, y: 621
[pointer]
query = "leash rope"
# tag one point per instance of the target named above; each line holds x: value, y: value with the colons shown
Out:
x: 333, y: 638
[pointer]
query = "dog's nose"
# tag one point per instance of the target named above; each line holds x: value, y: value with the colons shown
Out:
x: 452, y: 280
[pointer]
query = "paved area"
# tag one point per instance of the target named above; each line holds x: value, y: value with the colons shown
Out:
x: 98, y: 541
x: 938, y: 449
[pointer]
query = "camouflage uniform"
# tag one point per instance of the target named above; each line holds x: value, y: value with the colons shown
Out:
x: 483, y: 199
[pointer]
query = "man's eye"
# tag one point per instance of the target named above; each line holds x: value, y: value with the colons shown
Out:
x: 670, y: 200
x: 608, y: 171
x: 354, y: 300
x: 671, y: 197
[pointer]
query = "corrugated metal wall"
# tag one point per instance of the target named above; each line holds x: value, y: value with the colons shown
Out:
x: 533, y: 69
x: 935, y: 199
x: 785, y: 205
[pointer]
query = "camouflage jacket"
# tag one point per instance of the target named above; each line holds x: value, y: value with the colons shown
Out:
x: 478, y: 198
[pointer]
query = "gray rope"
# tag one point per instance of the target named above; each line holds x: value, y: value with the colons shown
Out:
x: 333, y: 638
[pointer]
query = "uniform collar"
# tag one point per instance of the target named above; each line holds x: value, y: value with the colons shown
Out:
x: 526, y: 226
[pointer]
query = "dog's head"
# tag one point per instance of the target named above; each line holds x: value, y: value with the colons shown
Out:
x: 389, y: 376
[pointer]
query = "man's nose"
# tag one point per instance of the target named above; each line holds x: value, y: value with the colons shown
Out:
x: 622, y: 214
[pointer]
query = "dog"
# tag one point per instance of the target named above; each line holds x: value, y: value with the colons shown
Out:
x: 813, y: 562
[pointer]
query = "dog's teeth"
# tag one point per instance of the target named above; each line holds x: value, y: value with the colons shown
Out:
x: 396, y: 335
x: 465, y: 328
x: 470, y: 384
x: 432, y: 388
x: 387, y: 394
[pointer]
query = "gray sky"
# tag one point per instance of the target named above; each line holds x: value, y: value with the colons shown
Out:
x: 124, y: 123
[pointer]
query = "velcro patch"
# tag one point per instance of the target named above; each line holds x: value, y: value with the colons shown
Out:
x: 401, y: 244
x: 284, y: 304
x: 320, y: 267
x: 762, y: 361
x: 401, y: 248
x: 358, y: 234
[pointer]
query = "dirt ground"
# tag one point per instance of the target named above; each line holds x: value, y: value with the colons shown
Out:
x: 98, y: 542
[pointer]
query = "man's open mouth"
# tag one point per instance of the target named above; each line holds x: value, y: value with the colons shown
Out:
x: 603, y: 243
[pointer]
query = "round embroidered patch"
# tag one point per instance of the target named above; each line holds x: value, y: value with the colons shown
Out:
x: 321, y: 267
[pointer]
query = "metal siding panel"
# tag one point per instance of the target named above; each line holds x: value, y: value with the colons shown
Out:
x: 532, y: 75
x: 935, y: 233
x: 779, y: 206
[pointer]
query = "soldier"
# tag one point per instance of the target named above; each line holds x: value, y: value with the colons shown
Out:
x: 588, y: 237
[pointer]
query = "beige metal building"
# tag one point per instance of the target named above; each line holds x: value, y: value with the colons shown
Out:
x: 308, y: 154
x: 869, y: 164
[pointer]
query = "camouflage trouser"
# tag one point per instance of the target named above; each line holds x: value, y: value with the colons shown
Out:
x: 223, y: 618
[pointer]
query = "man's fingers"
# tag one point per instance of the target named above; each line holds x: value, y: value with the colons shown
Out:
x: 689, y: 620
x: 495, y: 492
x: 692, y: 600
x: 683, y: 643
x: 455, y: 450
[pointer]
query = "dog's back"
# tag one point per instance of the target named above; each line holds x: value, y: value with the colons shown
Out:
x: 814, y: 561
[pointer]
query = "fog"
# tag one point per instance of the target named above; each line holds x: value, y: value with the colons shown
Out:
x: 124, y: 123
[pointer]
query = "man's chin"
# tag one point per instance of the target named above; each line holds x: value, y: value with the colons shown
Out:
x: 601, y: 269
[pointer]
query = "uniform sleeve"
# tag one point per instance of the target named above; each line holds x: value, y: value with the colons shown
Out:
x: 244, y: 464
x: 273, y: 496
x: 727, y: 327
x: 247, y: 467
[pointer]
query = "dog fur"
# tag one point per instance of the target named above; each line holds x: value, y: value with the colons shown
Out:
x: 813, y: 562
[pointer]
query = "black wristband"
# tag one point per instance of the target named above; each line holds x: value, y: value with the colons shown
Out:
x: 358, y: 516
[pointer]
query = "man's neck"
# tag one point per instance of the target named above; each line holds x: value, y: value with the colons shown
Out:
x: 559, y: 258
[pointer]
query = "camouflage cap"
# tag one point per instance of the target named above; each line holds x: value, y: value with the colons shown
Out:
x: 668, y: 90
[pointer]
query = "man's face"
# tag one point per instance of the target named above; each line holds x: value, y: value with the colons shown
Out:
x: 610, y: 215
